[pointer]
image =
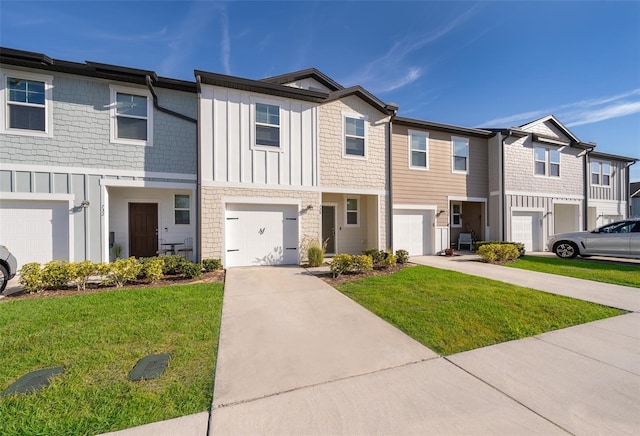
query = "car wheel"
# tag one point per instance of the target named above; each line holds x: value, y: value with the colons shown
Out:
x: 566, y: 250
x: 4, y: 278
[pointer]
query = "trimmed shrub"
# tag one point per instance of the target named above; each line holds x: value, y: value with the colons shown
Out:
x: 361, y: 263
x: 122, y: 271
x: 173, y: 264
x: 376, y: 255
x: 79, y: 273
x: 402, y: 256
x: 518, y: 245
x: 498, y: 253
x: 55, y: 274
x: 341, y: 264
x: 211, y: 264
x: 191, y: 270
x: 389, y: 260
x: 151, y: 268
x: 31, y: 277
x: 315, y: 254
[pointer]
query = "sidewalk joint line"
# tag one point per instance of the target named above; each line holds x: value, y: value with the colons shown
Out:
x: 507, y: 395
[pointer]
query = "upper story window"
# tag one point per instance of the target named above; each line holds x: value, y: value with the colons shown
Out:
x: 460, y: 155
x: 267, y: 125
x: 418, y: 150
x: 354, y: 136
x: 352, y: 210
x: 27, y: 103
x: 600, y: 173
x: 131, y: 116
x: 182, y: 209
x: 546, y: 161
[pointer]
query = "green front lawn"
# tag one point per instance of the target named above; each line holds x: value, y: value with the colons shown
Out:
x: 616, y: 274
x: 99, y: 338
x: 450, y: 312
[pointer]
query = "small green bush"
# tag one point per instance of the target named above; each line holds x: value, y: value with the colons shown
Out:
x: 79, y: 273
x: 341, y: 264
x: 191, y: 270
x: 376, y: 255
x: 55, y: 274
x: 361, y: 263
x: 389, y: 260
x: 122, y: 271
x: 498, y: 253
x: 173, y: 264
x: 151, y: 268
x: 518, y: 245
x: 31, y: 277
x: 402, y: 256
x: 211, y: 264
x: 315, y: 254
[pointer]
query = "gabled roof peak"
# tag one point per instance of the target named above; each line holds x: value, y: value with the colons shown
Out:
x: 554, y: 121
x: 312, y: 73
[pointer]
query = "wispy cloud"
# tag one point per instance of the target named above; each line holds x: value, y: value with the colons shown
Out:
x: 579, y: 113
x: 375, y: 75
x: 225, y: 43
x: 133, y: 37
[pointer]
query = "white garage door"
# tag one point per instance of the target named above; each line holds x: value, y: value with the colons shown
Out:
x: 525, y: 229
x: 35, y: 231
x: 261, y: 234
x: 412, y: 231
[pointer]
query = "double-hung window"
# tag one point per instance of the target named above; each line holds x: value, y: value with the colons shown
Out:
x: 354, y: 136
x: 546, y: 161
x: 456, y: 214
x: 600, y: 173
x: 27, y: 103
x: 352, y: 211
x: 418, y: 150
x: 131, y: 116
x: 182, y: 209
x: 460, y: 155
x: 267, y: 125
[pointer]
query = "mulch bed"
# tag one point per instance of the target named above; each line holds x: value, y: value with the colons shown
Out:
x: 207, y: 277
x: 344, y: 278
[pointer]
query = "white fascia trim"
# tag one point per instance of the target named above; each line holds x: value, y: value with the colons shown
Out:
x: 565, y: 201
x: 494, y: 193
x: 415, y: 207
x: 538, y: 194
x: 95, y: 171
x: 146, y: 184
x: 526, y: 209
x: 461, y: 198
x: 321, y: 189
x: 603, y: 202
x: 261, y: 200
x: 37, y: 196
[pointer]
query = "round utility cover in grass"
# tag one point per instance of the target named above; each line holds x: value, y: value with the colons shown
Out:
x: 33, y: 381
x: 150, y: 367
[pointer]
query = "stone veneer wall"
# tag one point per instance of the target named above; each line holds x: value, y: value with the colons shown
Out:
x: 212, y: 214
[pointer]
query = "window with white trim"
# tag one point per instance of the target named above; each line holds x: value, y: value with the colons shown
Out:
x: 600, y: 173
x: 354, y: 136
x: 267, y: 125
x: 26, y: 103
x: 459, y: 155
x: 352, y: 211
x: 131, y: 116
x: 182, y: 209
x: 456, y: 214
x: 418, y: 150
x: 546, y: 161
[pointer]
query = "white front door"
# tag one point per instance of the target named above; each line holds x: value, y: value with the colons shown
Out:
x: 261, y: 234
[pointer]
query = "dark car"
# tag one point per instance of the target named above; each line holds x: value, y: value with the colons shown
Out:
x: 8, y: 266
x: 619, y: 239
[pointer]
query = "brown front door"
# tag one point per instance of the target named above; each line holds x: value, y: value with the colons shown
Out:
x: 143, y: 229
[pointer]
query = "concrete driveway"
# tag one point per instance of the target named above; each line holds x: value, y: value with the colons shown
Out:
x: 298, y: 357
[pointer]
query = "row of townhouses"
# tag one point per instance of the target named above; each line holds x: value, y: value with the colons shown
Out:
x: 98, y: 156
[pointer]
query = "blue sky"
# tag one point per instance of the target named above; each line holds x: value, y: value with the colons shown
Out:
x: 481, y: 64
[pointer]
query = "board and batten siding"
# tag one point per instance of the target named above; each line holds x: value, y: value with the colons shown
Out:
x: 435, y: 185
x: 228, y: 154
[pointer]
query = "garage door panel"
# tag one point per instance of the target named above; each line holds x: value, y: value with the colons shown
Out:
x: 412, y: 231
x: 261, y: 235
x: 524, y: 229
x: 35, y: 231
